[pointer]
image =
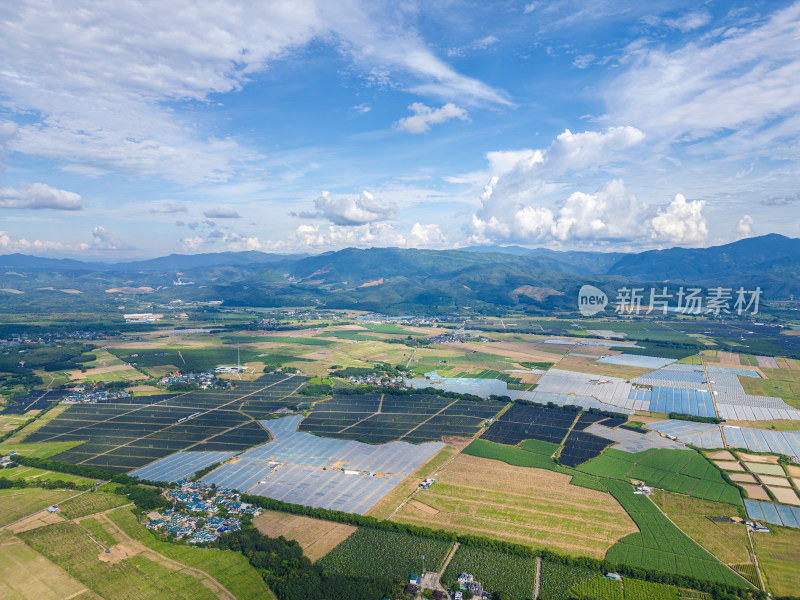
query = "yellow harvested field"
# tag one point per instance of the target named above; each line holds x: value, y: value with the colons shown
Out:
x: 27, y: 575
x: 534, y: 507
x: 524, y: 351
x: 764, y: 469
x: 721, y: 455
x: 35, y: 521
x: 316, y: 537
x: 428, y: 510
x: 759, y: 458
x: 793, y: 470
x: 772, y: 480
x: 784, y: 495
x: 756, y: 492
x: 743, y: 478
x: 729, y: 465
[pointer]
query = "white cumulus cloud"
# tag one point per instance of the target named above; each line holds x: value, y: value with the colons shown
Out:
x: 681, y: 222
x: 425, y: 116
x: 39, y: 196
x: 350, y: 210
x: 745, y: 226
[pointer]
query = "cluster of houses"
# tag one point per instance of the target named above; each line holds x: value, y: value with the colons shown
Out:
x: 204, y: 380
x: 381, y: 379
x: 200, y: 513
x: 7, y: 462
x: 467, y: 582
x: 453, y: 337
x: 81, y: 395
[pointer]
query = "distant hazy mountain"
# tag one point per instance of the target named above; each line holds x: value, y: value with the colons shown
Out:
x: 745, y: 258
x: 393, y: 279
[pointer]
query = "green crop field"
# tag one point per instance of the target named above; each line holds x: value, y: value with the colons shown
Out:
x: 598, y: 588
x: 660, y: 545
x: 91, y: 503
x: 231, y: 569
x: 512, y: 456
x: 135, y: 578
x: 557, y: 579
x: 31, y: 474
x: 514, y: 575
x: 539, y: 447
x: 683, y: 471
x: 21, y: 502
x: 647, y: 590
x: 371, y: 552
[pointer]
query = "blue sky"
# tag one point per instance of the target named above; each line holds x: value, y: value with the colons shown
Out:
x: 133, y: 129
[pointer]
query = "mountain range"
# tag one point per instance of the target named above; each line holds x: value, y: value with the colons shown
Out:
x: 398, y: 280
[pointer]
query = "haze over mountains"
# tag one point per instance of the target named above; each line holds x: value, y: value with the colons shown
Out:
x: 398, y: 279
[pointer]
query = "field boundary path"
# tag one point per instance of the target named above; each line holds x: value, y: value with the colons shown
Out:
x: 410, y: 358
x: 538, y: 579
x: 755, y: 560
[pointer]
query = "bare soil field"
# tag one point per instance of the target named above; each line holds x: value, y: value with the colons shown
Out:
x: 582, y: 364
x: 35, y: 521
x: 316, y: 537
x: 523, y: 351
x: 784, y: 495
x: 793, y: 470
x: 529, y: 506
x: 743, y: 478
x: 772, y: 480
x: 729, y: 465
x: 759, y: 458
x: 756, y: 492
x: 721, y: 455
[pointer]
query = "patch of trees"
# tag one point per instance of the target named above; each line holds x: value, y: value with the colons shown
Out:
x: 696, y: 419
x: 292, y: 576
x: 145, y: 498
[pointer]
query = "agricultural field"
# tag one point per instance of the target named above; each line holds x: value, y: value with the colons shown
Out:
x: 683, y: 471
x: 782, y: 383
x: 91, y: 503
x: 533, y: 507
x: 128, y: 573
x: 31, y: 474
x: 229, y: 568
x: 660, y: 545
x: 369, y: 552
x: 599, y: 588
x: 315, y: 537
x: 778, y: 556
x: 514, y: 575
x: 16, y: 503
x: 557, y: 580
x: 50, y: 582
x: 727, y: 541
